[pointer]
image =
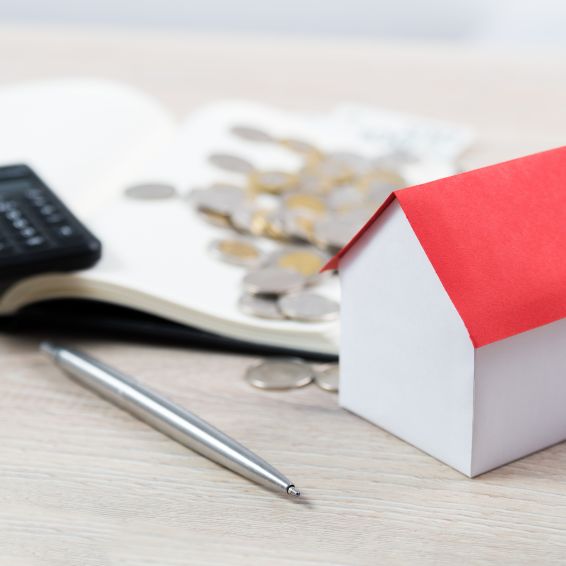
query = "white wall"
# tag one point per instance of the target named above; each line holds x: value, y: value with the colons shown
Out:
x: 514, y: 21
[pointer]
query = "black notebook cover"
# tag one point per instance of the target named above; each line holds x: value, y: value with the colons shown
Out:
x: 101, y: 320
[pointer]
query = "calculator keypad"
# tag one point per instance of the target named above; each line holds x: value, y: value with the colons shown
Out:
x: 37, y: 231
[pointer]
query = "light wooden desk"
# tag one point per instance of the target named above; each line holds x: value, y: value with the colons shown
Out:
x: 82, y: 483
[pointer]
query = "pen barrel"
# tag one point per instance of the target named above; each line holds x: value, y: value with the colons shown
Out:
x: 169, y: 418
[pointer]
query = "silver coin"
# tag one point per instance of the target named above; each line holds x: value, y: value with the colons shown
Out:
x: 272, y: 281
x: 278, y: 374
x: 299, y: 224
x: 219, y: 199
x: 251, y: 133
x: 308, y: 307
x: 241, y: 218
x: 345, y: 198
x: 151, y: 191
x: 328, y: 378
x: 334, y: 233
x: 357, y: 163
x: 258, y: 306
x: 231, y: 163
x: 236, y: 251
x: 300, y: 146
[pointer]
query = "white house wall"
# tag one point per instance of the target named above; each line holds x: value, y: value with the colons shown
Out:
x: 406, y: 360
x: 520, y: 396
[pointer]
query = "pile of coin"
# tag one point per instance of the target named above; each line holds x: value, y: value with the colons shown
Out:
x: 292, y: 373
x: 311, y: 213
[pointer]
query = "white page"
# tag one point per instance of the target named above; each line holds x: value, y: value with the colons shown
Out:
x: 80, y: 135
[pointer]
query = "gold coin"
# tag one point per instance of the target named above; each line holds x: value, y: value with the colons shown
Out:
x: 306, y: 201
x: 300, y: 224
x: 214, y: 218
x: 274, y: 182
x: 274, y: 227
x: 236, y: 251
x: 258, y: 222
x: 305, y: 262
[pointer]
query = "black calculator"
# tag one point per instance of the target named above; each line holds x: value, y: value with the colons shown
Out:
x: 38, y: 233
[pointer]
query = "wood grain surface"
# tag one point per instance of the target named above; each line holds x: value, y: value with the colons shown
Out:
x: 82, y: 483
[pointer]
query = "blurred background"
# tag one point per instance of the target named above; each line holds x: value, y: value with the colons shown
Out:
x: 520, y: 23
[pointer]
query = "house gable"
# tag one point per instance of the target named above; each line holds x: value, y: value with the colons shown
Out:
x: 406, y: 358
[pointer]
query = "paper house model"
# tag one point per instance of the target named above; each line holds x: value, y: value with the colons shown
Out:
x: 453, y: 334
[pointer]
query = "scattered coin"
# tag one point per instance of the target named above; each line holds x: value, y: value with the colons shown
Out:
x: 219, y: 199
x: 250, y: 133
x: 345, y: 198
x: 273, y: 281
x: 262, y: 307
x: 334, y: 233
x: 214, y: 218
x: 308, y: 307
x: 236, y: 251
x: 151, y: 191
x: 307, y: 260
x: 277, y: 374
x: 306, y: 201
x: 328, y: 378
x: 299, y: 224
x: 274, y: 182
x: 231, y: 163
x: 316, y: 208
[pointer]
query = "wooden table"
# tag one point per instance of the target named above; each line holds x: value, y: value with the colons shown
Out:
x: 82, y: 483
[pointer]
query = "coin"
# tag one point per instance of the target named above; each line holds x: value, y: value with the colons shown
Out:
x: 272, y: 281
x: 299, y: 224
x: 345, y: 198
x: 355, y: 162
x: 305, y: 201
x: 277, y: 374
x: 231, y: 163
x: 307, y: 261
x: 218, y: 199
x: 334, y: 233
x: 251, y: 133
x: 333, y: 172
x: 328, y: 378
x: 274, y: 225
x: 308, y: 307
x: 272, y: 181
x: 311, y: 155
x: 151, y: 191
x: 236, y: 251
x: 262, y: 307
x: 214, y: 218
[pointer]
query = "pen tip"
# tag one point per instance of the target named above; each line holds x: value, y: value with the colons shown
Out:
x: 292, y: 490
x: 48, y: 348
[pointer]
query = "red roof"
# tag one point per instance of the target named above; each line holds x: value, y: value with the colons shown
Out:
x: 496, y: 238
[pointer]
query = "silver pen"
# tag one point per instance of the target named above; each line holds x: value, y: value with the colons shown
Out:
x: 168, y: 418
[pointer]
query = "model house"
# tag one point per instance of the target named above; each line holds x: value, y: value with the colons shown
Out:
x: 453, y: 303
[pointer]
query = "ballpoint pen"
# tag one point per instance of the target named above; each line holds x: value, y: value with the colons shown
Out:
x: 168, y: 418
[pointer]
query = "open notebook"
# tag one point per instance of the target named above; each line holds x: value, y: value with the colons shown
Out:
x: 89, y: 139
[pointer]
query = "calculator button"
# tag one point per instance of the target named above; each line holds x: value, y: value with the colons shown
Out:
x: 55, y: 218
x: 66, y: 231
x: 13, y: 214
x: 39, y: 201
x: 20, y: 223
x: 6, y: 205
x: 35, y: 242
x: 28, y: 232
x: 33, y: 193
x: 47, y: 210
